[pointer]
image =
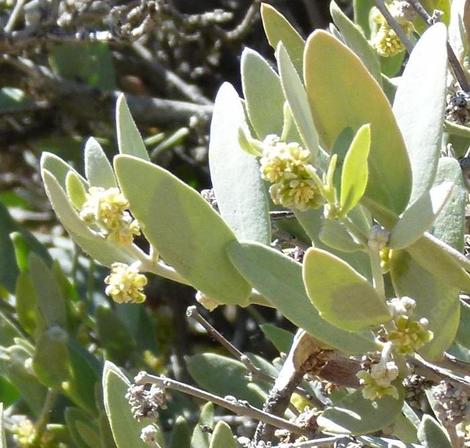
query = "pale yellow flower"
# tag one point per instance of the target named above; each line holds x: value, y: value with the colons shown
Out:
x: 125, y: 284
x: 377, y: 382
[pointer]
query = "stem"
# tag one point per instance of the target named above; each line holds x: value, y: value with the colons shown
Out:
x: 394, y: 25
x: 43, y: 418
x: 354, y: 230
x: 324, y: 441
x: 238, y: 407
x: 377, y: 276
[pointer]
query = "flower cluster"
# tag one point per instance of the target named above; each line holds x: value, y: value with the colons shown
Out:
x: 409, y: 334
x: 295, y: 183
x: 149, y: 435
x: 377, y: 381
x: 385, y: 41
x: 145, y: 401
x: 106, y: 210
x: 125, y: 284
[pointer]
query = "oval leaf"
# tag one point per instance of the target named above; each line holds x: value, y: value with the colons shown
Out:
x: 183, y: 227
x: 356, y: 41
x: 423, y: 83
x: 343, y: 94
x: 222, y: 437
x: 341, y: 295
x: 263, y: 94
x: 296, y: 97
x: 278, y: 29
x: 238, y: 188
x: 355, y: 170
x: 126, y: 430
x: 98, y: 170
x: 128, y: 136
x: 279, y: 279
x: 355, y: 415
x: 432, y: 434
x: 420, y: 216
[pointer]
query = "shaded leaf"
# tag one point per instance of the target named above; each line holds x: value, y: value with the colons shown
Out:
x: 238, y: 187
x: 335, y: 235
x: 83, y: 431
x: 279, y: 279
x: 223, y: 376
x: 263, y: 94
x: 361, y: 14
x: 180, y: 434
x: 281, y: 339
x: 3, y: 441
x: 200, y: 438
x: 343, y: 94
x: 423, y: 83
x: 341, y: 295
x: 8, y: 331
x: 188, y: 233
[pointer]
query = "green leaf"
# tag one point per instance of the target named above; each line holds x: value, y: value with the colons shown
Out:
x: 50, y: 361
x: 58, y: 168
x: 222, y: 437
x: 420, y: 216
x: 435, y: 301
x: 14, y: 361
x: 98, y: 169
x: 126, y: 430
x: 86, y: 62
x: 263, y: 94
x: 343, y: 94
x: 281, y: 339
x: 296, y: 97
x: 224, y: 376
x: 279, y: 279
x: 113, y: 335
x: 449, y: 226
x: 180, y: 434
x: 278, y: 29
x: 51, y: 303
x: 341, y: 295
x: 355, y: 170
x: 361, y: 14
x: 335, y: 235
x: 423, y: 83
x: 83, y: 431
x: 75, y: 189
x: 356, y: 415
x: 356, y: 41
x: 239, y: 190
x: 8, y: 331
x: 184, y: 229
x: 200, y: 438
x: 463, y: 335
x: 432, y: 434
x: 26, y: 303
x: 430, y: 5
x: 129, y: 139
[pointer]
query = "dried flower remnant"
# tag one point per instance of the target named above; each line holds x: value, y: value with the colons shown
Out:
x: 106, y: 209
x: 149, y: 435
x: 145, y: 401
x: 125, y: 284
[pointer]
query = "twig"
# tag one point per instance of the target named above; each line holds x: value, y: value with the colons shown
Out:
x: 191, y: 92
x: 44, y: 415
x: 14, y: 16
x: 238, y: 407
x: 193, y: 313
x: 244, y: 27
x: 394, y: 25
x: 453, y: 61
x: 314, y: 443
x: 169, y: 142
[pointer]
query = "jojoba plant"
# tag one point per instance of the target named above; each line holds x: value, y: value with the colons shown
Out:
x: 355, y: 159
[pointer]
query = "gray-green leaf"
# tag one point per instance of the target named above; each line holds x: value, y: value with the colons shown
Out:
x: 98, y: 169
x: 222, y: 437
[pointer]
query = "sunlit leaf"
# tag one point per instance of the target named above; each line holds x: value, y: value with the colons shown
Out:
x: 98, y: 169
